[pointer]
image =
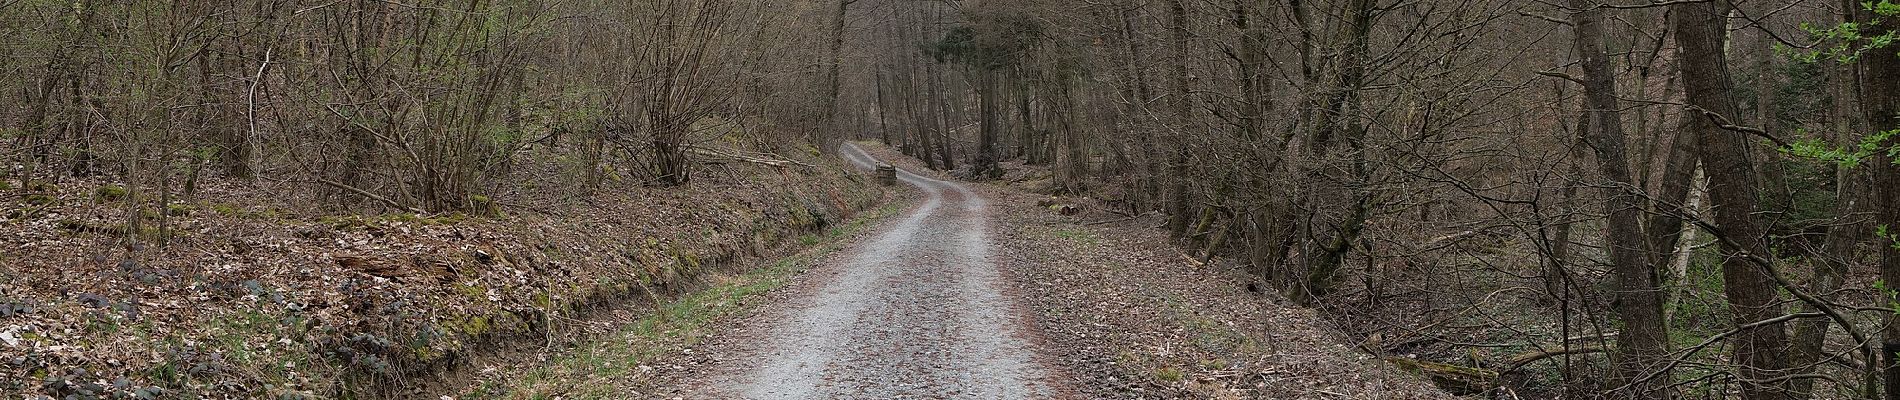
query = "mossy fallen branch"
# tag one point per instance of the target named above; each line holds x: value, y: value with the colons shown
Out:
x: 777, y: 163
x: 1523, y: 359
x: 1459, y: 380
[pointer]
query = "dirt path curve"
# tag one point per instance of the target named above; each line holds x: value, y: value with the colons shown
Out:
x: 916, y: 310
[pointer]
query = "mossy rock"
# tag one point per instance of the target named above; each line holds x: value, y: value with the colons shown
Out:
x: 1169, y: 374
x: 425, y: 353
x: 478, y: 293
x: 543, y: 301
x: 686, y: 256
x: 110, y: 193
x: 475, y: 326
x: 483, y: 205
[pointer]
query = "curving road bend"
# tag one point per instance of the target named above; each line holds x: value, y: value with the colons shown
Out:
x: 915, y: 310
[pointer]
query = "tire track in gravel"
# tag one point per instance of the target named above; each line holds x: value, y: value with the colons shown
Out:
x: 915, y: 311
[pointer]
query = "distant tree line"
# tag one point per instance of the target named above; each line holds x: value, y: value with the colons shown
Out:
x: 419, y: 105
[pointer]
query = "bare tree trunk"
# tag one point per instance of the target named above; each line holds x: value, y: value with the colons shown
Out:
x: 1266, y: 247
x: 669, y: 152
x: 833, y: 62
x: 1072, y: 159
x: 1679, y: 165
x: 1029, y: 145
x: 1342, y: 121
x: 1255, y: 99
x: 922, y: 121
x: 1880, y: 102
x: 44, y: 138
x: 1556, y: 269
x: 1831, y: 267
x: 883, y: 108
x: 1179, y: 206
x: 917, y: 100
x: 989, y: 123
x: 1839, y: 253
x: 1752, y: 293
x: 1643, y: 342
x: 940, y: 117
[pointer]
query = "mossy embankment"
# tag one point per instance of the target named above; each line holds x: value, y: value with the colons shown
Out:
x: 259, y: 300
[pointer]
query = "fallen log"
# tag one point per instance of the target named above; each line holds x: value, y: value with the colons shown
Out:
x: 1459, y: 380
x: 1521, y: 360
x: 749, y: 159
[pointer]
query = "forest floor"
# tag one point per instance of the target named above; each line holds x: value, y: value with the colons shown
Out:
x: 980, y: 291
x: 248, y: 290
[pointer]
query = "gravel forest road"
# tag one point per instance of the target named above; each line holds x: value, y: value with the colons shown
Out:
x: 915, y: 310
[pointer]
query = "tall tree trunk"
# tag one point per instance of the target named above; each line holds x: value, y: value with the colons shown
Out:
x: 990, y: 121
x: 1253, y: 81
x: 923, y: 118
x: 834, y: 61
x: 1679, y: 165
x: 44, y: 138
x: 1137, y: 92
x: 940, y: 119
x: 916, y: 95
x: 1556, y: 268
x: 1643, y: 342
x: 1839, y: 252
x: 1880, y: 102
x: 1831, y: 266
x: 1343, y: 121
x: 1178, y: 203
x: 1072, y: 159
x: 1029, y: 145
x: 1752, y: 293
x: 883, y: 109
x: 1266, y: 244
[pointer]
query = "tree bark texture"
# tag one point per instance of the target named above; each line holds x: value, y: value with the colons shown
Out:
x: 1643, y: 342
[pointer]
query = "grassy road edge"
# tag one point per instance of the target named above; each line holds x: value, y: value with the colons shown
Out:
x: 612, y: 363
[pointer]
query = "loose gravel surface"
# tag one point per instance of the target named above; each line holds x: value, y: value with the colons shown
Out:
x: 982, y: 292
x: 1128, y: 315
x: 918, y: 309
